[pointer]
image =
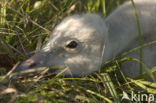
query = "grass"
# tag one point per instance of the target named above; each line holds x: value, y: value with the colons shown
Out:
x: 25, y: 25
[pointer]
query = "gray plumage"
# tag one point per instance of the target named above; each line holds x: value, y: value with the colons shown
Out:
x: 79, y: 41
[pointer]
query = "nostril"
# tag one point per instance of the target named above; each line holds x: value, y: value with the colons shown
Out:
x: 32, y: 65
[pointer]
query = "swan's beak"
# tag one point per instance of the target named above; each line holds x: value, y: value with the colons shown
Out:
x: 32, y: 64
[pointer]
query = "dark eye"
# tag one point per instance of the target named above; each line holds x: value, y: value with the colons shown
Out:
x: 72, y: 44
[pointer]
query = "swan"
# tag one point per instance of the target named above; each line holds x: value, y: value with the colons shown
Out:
x: 84, y: 42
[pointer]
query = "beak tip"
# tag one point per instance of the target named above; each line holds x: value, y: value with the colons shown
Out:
x: 17, y: 69
x: 13, y: 75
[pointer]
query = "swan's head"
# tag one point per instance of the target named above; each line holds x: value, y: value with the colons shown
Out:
x: 76, y: 43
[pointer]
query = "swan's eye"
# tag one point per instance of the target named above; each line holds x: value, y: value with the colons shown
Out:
x: 72, y: 44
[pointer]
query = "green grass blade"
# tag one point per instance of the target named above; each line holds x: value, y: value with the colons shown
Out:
x: 111, y: 87
x: 142, y: 85
x: 139, y: 33
x: 99, y: 95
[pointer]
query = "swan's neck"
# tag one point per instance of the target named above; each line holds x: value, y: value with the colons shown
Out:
x: 123, y: 29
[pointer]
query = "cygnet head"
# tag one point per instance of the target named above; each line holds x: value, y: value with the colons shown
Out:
x: 76, y: 43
